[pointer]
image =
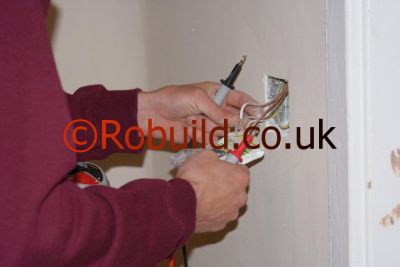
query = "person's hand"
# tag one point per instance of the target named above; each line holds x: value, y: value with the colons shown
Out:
x: 220, y: 189
x: 176, y: 106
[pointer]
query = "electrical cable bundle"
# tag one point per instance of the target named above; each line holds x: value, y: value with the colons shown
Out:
x: 265, y: 111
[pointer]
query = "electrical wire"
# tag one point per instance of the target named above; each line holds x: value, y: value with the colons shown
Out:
x: 267, y: 110
x: 185, y: 258
x: 171, y: 261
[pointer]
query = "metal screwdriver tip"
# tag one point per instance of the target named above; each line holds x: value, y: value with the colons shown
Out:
x: 243, y: 60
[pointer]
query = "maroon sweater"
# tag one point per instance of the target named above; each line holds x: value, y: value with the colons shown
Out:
x: 45, y: 219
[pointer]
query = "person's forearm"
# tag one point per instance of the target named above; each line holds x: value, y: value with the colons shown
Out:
x: 96, y: 104
x: 138, y: 225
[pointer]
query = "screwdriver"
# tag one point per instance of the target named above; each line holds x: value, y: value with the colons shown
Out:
x: 235, y: 156
x: 228, y: 83
x: 226, y: 86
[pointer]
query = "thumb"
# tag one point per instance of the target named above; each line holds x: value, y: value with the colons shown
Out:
x: 209, y: 108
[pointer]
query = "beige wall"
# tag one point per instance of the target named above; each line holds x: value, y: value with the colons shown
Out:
x: 103, y: 42
x: 149, y: 43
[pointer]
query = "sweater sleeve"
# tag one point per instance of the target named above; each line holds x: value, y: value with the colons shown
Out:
x: 139, y: 224
x: 110, y: 112
x: 46, y: 220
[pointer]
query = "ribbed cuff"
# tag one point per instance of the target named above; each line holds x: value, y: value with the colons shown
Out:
x: 182, y: 200
x: 96, y: 104
x: 122, y: 107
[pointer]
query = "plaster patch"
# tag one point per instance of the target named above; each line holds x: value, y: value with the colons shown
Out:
x: 395, y: 159
x: 391, y: 218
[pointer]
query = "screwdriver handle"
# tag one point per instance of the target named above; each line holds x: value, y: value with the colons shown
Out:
x: 221, y: 94
x: 235, y: 156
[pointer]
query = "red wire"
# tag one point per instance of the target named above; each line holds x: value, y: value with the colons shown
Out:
x: 171, y: 261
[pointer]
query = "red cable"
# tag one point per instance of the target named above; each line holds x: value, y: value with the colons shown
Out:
x: 171, y: 261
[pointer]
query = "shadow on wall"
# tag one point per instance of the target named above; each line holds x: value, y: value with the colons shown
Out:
x: 200, y: 240
x: 51, y: 20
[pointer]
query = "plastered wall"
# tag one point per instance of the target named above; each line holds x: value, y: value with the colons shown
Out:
x: 383, y: 134
x: 124, y: 44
